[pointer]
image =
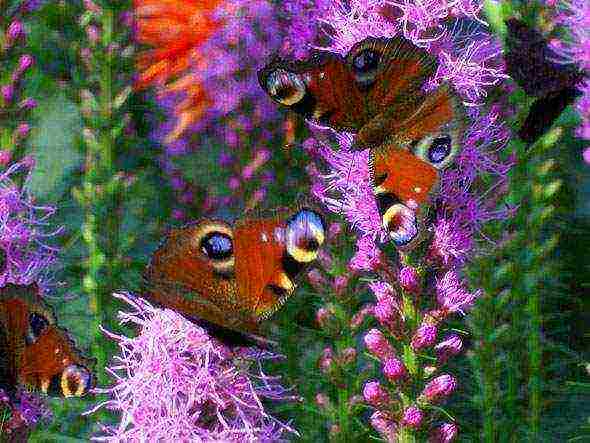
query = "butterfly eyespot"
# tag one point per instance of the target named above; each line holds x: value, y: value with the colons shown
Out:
x: 217, y: 246
x: 284, y: 87
x: 37, y: 325
x: 305, y: 234
x: 438, y: 150
x: 365, y: 66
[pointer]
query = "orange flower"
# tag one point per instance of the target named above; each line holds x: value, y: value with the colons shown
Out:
x: 175, y: 29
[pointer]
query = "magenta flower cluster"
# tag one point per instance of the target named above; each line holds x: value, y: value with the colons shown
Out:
x: 14, y: 104
x: 410, y: 309
x: 26, y: 255
x: 174, y: 382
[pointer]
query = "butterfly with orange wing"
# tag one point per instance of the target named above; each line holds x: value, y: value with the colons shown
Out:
x: 34, y: 351
x: 379, y: 91
x: 234, y: 277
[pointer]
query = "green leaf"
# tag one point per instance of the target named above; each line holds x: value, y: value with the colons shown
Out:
x: 53, y: 145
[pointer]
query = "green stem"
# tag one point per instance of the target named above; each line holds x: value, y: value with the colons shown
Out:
x: 406, y: 435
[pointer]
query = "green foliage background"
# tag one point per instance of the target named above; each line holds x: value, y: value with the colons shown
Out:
x: 523, y: 377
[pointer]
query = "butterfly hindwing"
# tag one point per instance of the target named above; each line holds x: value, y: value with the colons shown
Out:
x: 40, y: 354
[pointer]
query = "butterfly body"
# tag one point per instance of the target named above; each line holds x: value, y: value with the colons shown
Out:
x: 380, y: 91
x: 234, y: 276
x: 35, y: 351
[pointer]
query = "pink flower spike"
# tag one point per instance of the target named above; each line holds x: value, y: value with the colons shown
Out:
x: 173, y: 382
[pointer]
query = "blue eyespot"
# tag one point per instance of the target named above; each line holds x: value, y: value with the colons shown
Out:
x: 440, y: 149
x: 306, y: 232
x: 217, y: 246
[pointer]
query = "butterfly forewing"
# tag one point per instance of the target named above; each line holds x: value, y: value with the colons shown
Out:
x: 233, y: 277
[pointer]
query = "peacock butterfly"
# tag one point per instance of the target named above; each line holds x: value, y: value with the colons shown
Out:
x: 236, y: 276
x: 34, y: 351
x: 379, y: 91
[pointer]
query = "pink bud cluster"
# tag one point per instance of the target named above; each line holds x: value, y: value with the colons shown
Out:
x: 411, y: 314
x: 14, y: 106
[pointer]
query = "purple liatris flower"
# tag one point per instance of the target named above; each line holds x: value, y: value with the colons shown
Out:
x: 368, y: 256
x: 412, y: 417
x: 424, y: 337
x: 409, y: 280
x: 452, y: 295
x: 25, y: 254
x: 574, y: 16
x: 31, y: 408
x: 439, y: 388
x: 174, y: 382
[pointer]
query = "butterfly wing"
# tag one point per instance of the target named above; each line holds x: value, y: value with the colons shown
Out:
x: 321, y: 89
x: 234, y: 277
x: 40, y: 354
x: 406, y: 168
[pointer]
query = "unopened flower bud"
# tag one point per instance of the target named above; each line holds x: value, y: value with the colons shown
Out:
x: 334, y: 230
x: 384, y: 425
x: 424, y: 337
x: 357, y: 319
x: 24, y: 63
x: 348, y: 356
x: 93, y: 34
x: 324, y: 316
x: 446, y: 433
x: 340, y: 284
x: 412, y: 417
x: 409, y: 279
x: 375, y: 394
x: 325, y: 259
x: 233, y: 183
x: 23, y: 130
x: 7, y: 92
x: 5, y: 157
x: 326, y: 360
x: 394, y: 369
x: 27, y: 104
x: 439, y: 388
x: 15, y: 31
x: 378, y: 345
x: 451, y: 346
x: 317, y: 280
x: 322, y: 400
